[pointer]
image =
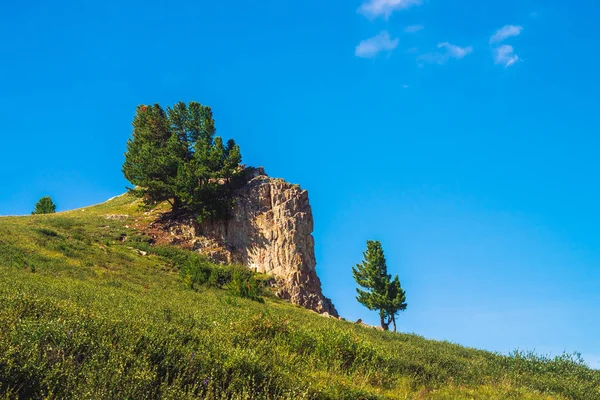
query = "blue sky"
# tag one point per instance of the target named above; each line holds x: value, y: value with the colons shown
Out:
x: 462, y: 134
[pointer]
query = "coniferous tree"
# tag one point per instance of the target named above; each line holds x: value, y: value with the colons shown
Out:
x: 382, y: 293
x: 45, y: 205
x: 175, y: 156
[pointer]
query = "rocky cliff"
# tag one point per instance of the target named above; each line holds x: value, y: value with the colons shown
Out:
x: 270, y: 231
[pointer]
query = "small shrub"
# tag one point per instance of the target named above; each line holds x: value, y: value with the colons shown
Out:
x: 195, y: 272
x: 244, y: 284
x: 219, y: 277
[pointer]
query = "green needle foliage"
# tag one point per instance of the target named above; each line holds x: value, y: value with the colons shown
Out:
x: 45, y: 205
x: 383, y: 293
x: 175, y: 156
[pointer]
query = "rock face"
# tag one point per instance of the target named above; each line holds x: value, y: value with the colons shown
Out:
x: 270, y: 231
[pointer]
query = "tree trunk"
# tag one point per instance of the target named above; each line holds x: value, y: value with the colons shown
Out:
x: 176, y: 204
x: 394, y: 322
x: 384, y: 325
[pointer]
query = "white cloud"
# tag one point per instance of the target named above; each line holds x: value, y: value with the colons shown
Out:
x: 505, y: 32
x: 385, y: 8
x: 505, y: 55
x: 456, y: 51
x: 369, y: 48
x: 413, y: 28
x: 449, y: 51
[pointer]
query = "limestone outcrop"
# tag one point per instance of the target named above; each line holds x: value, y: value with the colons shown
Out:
x: 270, y: 231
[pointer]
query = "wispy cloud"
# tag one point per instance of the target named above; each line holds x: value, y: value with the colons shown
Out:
x: 447, y: 51
x: 369, y: 48
x: 385, y: 8
x: 506, y: 32
x: 413, y: 28
x: 456, y: 51
x: 505, y: 55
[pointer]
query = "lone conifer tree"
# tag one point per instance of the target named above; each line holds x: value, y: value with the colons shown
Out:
x: 45, y: 205
x: 382, y: 292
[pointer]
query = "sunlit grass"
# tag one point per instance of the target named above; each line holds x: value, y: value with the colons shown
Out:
x: 84, y: 314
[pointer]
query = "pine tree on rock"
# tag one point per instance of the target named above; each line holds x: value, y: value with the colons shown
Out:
x: 382, y: 293
x: 174, y: 156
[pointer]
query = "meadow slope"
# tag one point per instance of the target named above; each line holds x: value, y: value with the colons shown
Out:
x: 88, y: 309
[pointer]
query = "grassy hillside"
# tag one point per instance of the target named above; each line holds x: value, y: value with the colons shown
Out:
x: 85, y: 314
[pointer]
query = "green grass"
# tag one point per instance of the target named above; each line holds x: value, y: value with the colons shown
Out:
x: 84, y: 314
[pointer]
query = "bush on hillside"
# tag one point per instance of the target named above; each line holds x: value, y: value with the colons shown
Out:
x: 197, y: 270
x: 244, y: 284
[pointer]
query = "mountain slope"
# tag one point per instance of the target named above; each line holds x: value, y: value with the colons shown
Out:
x: 89, y: 310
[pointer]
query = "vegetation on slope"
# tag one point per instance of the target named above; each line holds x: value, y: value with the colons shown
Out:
x: 85, y: 313
x: 44, y: 206
x: 174, y: 156
x: 378, y: 291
